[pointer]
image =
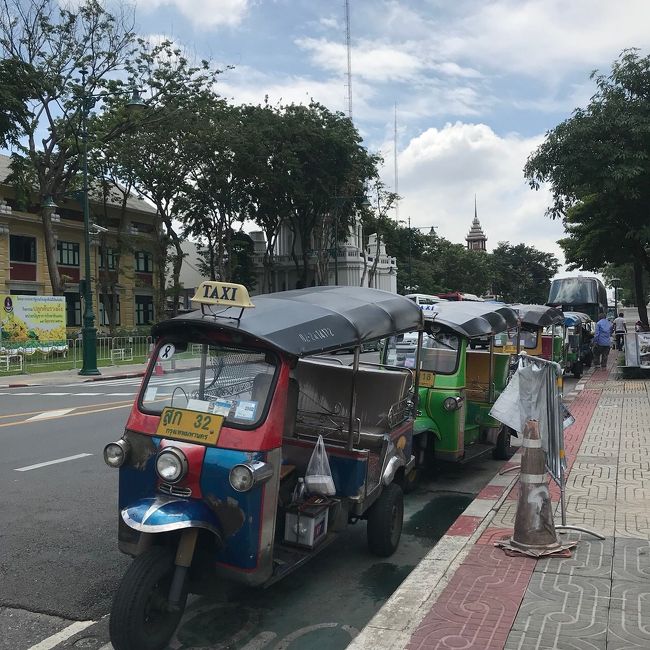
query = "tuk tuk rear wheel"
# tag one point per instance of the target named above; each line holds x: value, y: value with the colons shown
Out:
x: 385, y: 520
x: 577, y: 369
x: 140, y: 615
x: 502, y: 447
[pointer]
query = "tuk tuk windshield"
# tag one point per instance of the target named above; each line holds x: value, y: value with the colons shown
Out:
x: 235, y: 383
x: 439, y: 352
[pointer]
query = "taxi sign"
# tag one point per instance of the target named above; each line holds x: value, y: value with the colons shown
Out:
x: 189, y: 426
x: 226, y: 294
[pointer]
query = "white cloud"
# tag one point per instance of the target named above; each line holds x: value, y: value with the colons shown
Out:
x: 546, y: 37
x: 441, y: 170
x: 204, y: 14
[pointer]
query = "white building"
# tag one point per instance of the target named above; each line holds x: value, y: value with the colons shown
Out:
x: 350, y: 266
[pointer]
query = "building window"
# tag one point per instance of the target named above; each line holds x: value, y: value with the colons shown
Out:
x: 105, y: 309
x: 108, y: 258
x: 143, y: 310
x: 143, y: 262
x: 72, y: 310
x: 68, y: 253
x: 22, y: 249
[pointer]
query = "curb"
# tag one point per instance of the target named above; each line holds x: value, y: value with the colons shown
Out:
x: 129, y: 375
x: 392, y: 626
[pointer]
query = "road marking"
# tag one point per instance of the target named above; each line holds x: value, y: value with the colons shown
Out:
x: 51, y: 462
x: 49, y: 414
x: 21, y: 394
x: 55, y: 394
x: 119, y: 394
x: 260, y: 641
x: 71, y: 415
x: 59, y: 637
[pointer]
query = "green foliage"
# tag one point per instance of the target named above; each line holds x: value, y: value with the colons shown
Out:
x: 522, y: 273
x: 597, y: 164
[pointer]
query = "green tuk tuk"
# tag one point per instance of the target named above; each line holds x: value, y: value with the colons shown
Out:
x: 457, y: 385
x: 579, y: 334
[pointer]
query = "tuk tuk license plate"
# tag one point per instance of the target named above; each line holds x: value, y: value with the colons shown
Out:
x: 427, y: 379
x: 189, y: 426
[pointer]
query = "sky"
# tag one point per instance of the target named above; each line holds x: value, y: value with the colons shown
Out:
x: 477, y: 83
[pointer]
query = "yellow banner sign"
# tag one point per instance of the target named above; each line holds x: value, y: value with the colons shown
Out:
x: 190, y: 426
x: 32, y: 323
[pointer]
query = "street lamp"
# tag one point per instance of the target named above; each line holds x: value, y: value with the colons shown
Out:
x: 339, y: 201
x: 89, y: 331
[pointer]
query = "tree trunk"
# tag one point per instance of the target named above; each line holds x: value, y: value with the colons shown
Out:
x: 639, y: 293
x: 51, y: 253
x: 375, y: 262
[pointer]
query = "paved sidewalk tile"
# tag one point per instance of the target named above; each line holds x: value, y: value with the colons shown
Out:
x: 591, y: 557
x: 478, y: 606
x: 629, y: 616
x: 631, y: 561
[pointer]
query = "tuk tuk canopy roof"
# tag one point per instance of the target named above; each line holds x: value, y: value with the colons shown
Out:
x: 304, y: 322
x: 473, y: 319
x: 538, y: 315
x: 572, y: 318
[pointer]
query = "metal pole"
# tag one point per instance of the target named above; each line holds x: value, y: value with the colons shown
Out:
x: 88, y: 332
x: 336, y: 245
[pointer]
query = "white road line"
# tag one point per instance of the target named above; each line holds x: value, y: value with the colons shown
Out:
x: 118, y: 394
x: 59, y: 637
x: 85, y: 394
x: 56, y: 394
x: 49, y: 414
x: 51, y: 462
x: 21, y: 394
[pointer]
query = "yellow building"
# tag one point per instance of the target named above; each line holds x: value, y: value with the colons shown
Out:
x: 126, y: 270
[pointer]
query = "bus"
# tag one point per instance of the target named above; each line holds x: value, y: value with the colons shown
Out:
x: 581, y: 294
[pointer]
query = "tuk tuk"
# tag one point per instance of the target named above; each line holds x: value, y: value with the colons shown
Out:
x: 579, y: 335
x: 215, y: 476
x: 457, y: 385
x: 541, y: 333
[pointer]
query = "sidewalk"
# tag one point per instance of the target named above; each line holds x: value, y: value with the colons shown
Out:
x: 468, y: 594
x: 58, y: 377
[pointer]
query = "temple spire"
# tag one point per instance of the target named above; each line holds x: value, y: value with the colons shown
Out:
x: 476, y: 239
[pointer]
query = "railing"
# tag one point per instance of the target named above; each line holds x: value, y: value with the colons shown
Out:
x: 111, y: 350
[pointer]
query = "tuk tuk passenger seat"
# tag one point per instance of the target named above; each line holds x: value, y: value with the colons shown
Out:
x: 325, y: 391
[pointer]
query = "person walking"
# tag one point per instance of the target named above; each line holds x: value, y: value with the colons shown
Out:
x: 602, y: 341
x: 620, y: 328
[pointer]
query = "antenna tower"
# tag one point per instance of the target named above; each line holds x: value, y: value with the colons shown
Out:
x: 349, y: 49
x: 395, y: 165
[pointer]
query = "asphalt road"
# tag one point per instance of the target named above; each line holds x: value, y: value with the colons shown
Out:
x: 60, y: 564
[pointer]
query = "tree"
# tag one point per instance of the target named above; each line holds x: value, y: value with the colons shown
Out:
x: 598, y: 166
x: 326, y: 170
x: 522, y: 273
x: 158, y: 158
x: 19, y: 83
x: 51, y: 45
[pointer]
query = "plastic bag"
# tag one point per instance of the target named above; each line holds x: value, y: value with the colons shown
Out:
x: 506, y: 409
x: 318, y: 478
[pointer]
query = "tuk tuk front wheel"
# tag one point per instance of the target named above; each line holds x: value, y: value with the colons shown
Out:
x: 385, y: 520
x: 141, y: 618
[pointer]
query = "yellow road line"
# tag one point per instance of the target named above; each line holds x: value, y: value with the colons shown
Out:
x: 17, y: 415
x: 68, y: 415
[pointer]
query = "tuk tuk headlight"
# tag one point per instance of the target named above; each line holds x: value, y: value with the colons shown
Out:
x: 171, y: 465
x: 115, y: 453
x: 244, y: 476
x: 452, y: 403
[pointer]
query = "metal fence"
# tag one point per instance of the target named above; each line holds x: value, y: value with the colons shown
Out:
x: 111, y: 350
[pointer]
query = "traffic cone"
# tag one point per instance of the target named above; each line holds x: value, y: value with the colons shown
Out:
x: 158, y: 369
x: 534, y: 533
